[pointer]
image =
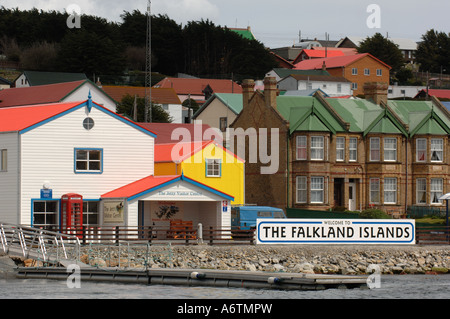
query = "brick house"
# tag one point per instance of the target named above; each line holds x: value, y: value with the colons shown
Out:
x: 358, y: 69
x: 352, y: 153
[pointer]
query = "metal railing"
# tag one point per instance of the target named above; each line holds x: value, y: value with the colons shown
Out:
x: 39, y: 244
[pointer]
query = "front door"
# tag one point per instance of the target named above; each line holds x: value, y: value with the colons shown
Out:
x: 352, y: 196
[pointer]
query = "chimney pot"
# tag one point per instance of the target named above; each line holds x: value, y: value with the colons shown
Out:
x: 248, y: 88
x: 270, y: 92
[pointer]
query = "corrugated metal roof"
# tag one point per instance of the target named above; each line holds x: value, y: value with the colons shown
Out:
x: 42, y: 94
x: 196, y: 86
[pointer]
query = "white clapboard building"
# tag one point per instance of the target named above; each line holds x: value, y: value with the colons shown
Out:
x: 82, y: 148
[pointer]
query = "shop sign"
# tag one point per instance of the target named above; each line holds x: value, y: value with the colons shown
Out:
x: 113, y: 212
x: 335, y: 231
x: 46, y: 193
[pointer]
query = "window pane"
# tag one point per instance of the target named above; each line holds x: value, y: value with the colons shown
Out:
x: 316, y: 189
x: 374, y: 190
x: 301, y: 189
x: 94, y: 155
x: 353, y: 153
x: 437, y: 150
x: 390, y: 149
x: 375, y: 149
x: 301, y: 147
x: 317, y: 147
x: 82, y: 166
x: 340, y: 148
x: 94, y: 166
x: 82, y: 155
x: 436, y: 190
x: 390, y: 190
x: 421, y: 189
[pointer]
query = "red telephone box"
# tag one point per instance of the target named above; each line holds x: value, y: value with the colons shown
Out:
x: 72, y: 214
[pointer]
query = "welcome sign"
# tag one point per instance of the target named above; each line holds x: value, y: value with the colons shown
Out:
x: 336, y: 231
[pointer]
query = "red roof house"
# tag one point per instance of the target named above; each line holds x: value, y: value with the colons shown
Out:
x: 56, y: 93
x: 358, y: 69
x: 199, y: 90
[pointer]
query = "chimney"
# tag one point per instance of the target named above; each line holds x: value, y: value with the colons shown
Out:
x: 270, y: 92
x: 324, y: 66
x: 377, y: 92
x: 248, y: 88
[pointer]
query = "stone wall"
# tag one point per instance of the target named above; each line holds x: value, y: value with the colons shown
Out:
x: 296, y: 259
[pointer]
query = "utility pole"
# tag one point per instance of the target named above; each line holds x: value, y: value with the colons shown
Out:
x: 148, y: 66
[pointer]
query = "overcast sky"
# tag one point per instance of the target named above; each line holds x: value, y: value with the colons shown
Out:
x: 278, y: 23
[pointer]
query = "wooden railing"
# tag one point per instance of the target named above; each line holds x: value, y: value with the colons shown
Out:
x: 188, y: 235
x: 433, y: 235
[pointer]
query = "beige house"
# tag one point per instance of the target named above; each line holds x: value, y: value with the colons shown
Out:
x: 220, y: 111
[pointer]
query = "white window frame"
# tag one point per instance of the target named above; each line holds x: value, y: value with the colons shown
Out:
x: 354, y: 71
x: 374, y: 191
x: 88, y: 160
x: 340, y: 149
x: 439, y: 150
x: 213, y: 167
x: 421, y: 190
x: 90, y: 209
x: 317, y: 148
x: 317, y: 190
x: 302, y: 143
x: 375, y: 147
x: 390, y: 190
x: 354, y: 86
x: 436, y: 190
x: 379, y: 72
x: 353, y: 149
x: 302, y: 189
x: 390, y: 149
x: 421, y: 150
x: 366, y: 71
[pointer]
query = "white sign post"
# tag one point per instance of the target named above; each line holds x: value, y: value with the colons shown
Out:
x: 336, y: 231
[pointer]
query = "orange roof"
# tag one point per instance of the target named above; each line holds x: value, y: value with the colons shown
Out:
x: 159, y: 95
x: 334, y: 62
x: 20, y: 118
x: 151, y: 183
x: 321, y: 54
x: 139, y: 186
x: 164, y: 152
x: 196, y: 86
x: 41, y: 94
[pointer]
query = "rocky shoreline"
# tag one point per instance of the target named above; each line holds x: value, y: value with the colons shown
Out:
x: 346, y: 260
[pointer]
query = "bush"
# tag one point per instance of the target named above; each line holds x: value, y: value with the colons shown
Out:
x: 374, y: 214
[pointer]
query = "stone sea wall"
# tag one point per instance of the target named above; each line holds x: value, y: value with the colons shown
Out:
x: 298, y: 259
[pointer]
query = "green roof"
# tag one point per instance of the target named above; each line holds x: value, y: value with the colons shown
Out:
x: 245, y: 33
x: 45, y: 78
x: 306, y: 113
x: 233, y: 101
x: 282, y: 73
x: 360, y: 114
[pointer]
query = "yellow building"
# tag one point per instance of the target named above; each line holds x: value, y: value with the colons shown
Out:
x: 206, y: 162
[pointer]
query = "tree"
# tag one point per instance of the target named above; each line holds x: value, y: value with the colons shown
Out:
x: 433, y: 53
x: 126, y: 107
x: 90, y: 53
x: 383, y: 49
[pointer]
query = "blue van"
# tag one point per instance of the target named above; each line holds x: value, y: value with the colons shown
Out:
x: 245, y: 216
